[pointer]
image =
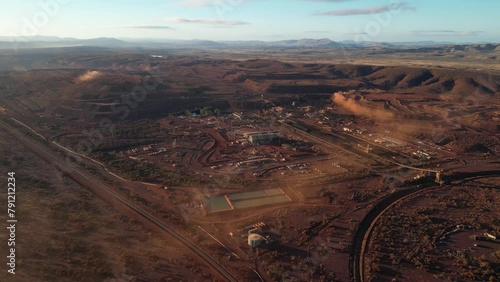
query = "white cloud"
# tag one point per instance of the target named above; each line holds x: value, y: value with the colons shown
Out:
x: 446, y: 32
x: 202, y: 3
x: 369, y: 10
x: 205, y: 21
x: 145, y: 27
x: 330, y: 1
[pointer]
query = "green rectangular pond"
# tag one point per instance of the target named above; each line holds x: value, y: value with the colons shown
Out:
x: 217, y: 203
x: 246, y: 200
x: 261, y: 201
x: 247, y: 195
x: 273, y: 192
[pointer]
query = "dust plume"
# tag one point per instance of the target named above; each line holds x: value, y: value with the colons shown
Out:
x: 88, y: 76
x: 358, y: 109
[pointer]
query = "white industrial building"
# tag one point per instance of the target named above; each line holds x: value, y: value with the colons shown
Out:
x: 262, y: 138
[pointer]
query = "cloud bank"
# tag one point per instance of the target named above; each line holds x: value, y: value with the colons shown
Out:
x: 446, y: 32
x: 205, y: 21
x: 369, y: 10
x: 146, y: 27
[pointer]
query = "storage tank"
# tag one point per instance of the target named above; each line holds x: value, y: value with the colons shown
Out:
x: 254, y: 240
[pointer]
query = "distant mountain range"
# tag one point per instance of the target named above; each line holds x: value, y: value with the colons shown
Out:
x: 53, y: 41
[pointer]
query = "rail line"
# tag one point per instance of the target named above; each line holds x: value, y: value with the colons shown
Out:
x: 364, y: 232
x: 362, y: 236
x: 365, y: 227
x: 67, y: 167
x: 368, y: 156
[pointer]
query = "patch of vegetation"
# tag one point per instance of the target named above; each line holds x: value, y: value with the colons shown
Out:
x: 199, y: 90
x: 40, y: 186
x: 140, y: 129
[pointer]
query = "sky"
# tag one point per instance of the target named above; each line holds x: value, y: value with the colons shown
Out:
x: 268, y: 20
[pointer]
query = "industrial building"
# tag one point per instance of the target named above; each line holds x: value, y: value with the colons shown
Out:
x: 239, y: 116
x: 255, y: 230
x: 262, y: 138
x: 490, y: 236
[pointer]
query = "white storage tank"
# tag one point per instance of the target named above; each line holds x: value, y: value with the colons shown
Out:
x: 254, y: 240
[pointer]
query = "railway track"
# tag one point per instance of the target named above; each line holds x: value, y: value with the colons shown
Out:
x: 207, y: 258
x: 92, y: 184
x: 362, y: 236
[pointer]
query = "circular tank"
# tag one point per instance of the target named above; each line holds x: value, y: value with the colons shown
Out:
x: 254, y: 240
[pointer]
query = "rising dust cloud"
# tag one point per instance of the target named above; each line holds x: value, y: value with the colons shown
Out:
x: 402, y: 124
x: 358, y: 109
x: 89, y: 76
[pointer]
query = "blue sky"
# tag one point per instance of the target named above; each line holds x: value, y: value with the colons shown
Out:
x: 359, y: 20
